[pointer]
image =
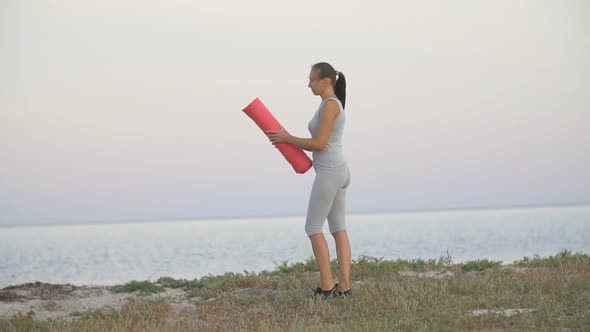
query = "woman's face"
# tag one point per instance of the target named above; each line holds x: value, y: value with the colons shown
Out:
x: 316, y: 83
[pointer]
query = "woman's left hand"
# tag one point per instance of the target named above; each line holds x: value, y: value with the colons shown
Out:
x: 278, y: 136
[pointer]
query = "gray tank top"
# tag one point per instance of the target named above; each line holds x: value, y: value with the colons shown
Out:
x: 332, y: 155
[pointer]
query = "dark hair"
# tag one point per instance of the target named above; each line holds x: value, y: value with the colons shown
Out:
x: 338, y: 80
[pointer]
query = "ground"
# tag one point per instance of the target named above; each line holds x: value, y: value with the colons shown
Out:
x: 550, y: 293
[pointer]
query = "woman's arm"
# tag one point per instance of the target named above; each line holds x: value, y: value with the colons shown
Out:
x: 328, y: 114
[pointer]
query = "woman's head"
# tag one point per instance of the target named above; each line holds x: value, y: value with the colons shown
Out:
x: 323, y: 76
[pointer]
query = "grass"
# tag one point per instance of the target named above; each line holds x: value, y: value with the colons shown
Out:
x: 480, y: 265
x: 142, y: 287
x: 556, y: 288
x: 562, y: 258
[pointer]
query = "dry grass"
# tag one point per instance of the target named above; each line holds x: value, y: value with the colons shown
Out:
x: 555, y: 291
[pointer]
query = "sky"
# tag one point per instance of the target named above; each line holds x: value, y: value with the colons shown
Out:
x: 131, y: 110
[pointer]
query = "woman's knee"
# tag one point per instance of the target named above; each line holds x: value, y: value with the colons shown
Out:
x: 337, y: 231
x: 312, y: 229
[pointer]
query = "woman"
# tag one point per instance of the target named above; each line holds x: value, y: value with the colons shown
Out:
x: 328, y: 194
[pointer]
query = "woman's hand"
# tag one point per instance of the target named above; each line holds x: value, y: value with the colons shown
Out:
x: 278, y: 136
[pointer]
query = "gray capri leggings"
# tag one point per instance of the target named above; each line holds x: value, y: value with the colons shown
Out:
x: 328, y: 200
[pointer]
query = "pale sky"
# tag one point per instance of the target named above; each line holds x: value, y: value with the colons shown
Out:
x: 132, y: 110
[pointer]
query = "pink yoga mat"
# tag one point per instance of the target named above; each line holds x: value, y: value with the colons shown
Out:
x: 266, y: 121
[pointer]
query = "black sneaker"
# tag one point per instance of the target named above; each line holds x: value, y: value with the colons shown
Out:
x: 345, y: 293
x: 325, y: 293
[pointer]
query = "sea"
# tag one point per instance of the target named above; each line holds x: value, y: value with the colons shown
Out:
x: 115, y: 253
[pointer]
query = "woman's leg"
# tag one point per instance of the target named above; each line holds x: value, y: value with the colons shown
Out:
x: 320, y: 203
x: 322, y: 257
x: 344, y: 256
x: 326, y: 200
x: 337, y: 223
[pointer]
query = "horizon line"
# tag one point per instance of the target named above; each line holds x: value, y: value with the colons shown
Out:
x: 278, y: 215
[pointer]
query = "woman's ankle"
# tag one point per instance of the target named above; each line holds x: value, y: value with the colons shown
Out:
x: 343, y: 286
x: 326, y: 287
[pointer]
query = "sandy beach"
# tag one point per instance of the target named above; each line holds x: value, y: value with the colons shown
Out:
x: 64, y: 301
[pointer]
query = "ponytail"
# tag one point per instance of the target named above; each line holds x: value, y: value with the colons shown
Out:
x: 340, y: 88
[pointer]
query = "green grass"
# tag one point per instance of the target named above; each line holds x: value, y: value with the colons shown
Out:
x: 480, y: 265
x: 557, y: 288
x: 562, y: 258
x: 142, y: 287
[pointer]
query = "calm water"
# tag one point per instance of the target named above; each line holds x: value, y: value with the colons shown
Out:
x: 116, y: 253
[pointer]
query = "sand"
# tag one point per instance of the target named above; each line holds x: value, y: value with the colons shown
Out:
x: 65, y: 301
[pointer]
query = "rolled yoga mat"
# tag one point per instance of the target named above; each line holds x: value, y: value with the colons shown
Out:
x: 266, y: 121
